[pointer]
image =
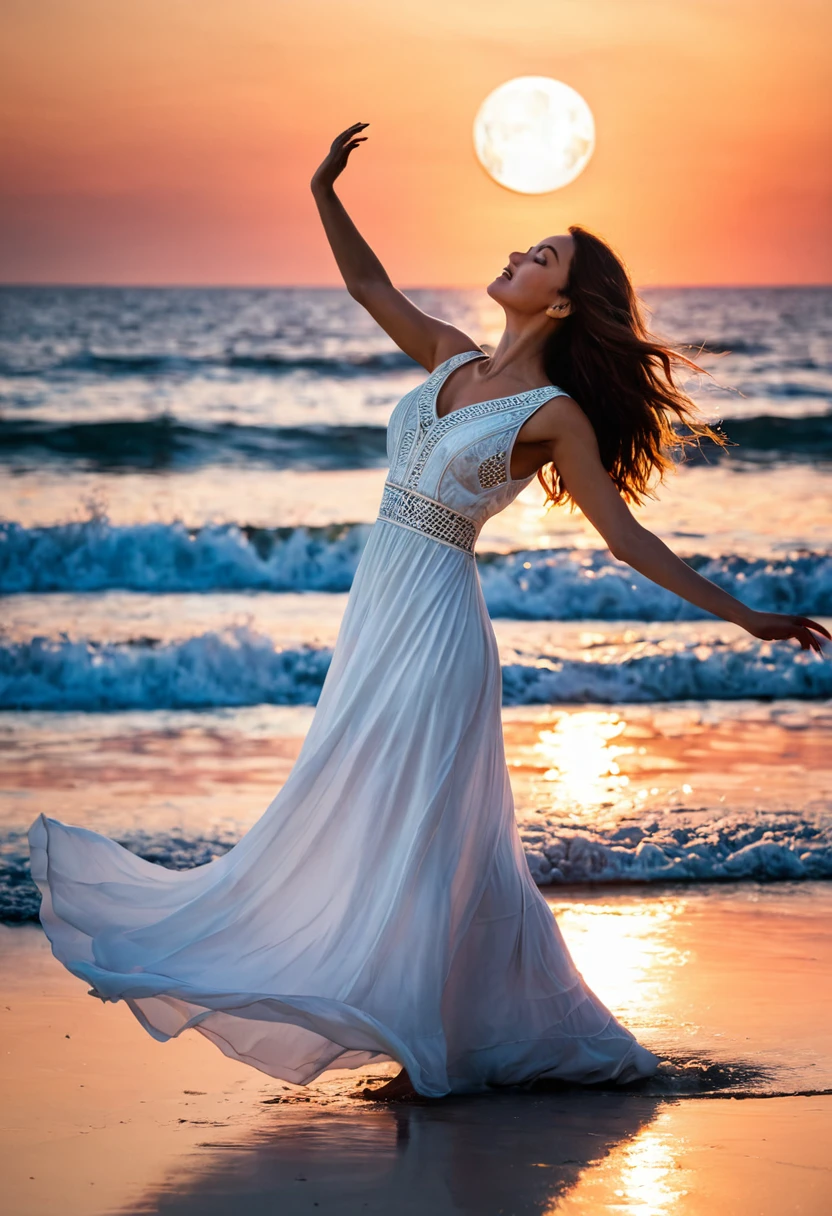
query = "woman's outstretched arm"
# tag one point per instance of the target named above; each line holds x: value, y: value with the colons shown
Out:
x: 425, y: 338
x: 572, y: 447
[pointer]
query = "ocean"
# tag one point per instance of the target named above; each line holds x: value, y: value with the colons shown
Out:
x: 187, y: 479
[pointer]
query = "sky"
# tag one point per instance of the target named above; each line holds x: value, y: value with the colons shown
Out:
x: 172, y: 141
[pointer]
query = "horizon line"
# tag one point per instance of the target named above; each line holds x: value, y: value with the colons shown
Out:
x: 410, y: 287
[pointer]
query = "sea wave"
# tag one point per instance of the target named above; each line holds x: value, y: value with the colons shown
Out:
x: 238, y: 667
x: 95, y: 555
x: 734, y: 847
x: 544, y: 584
x: 809, y: 436
x: 727, y: 345
x: 157, y: 363
x: 165, y: 442
x: 569, y: 585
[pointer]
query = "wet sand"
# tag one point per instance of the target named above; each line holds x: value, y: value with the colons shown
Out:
x: 731, y: 983
x: 211, y: 775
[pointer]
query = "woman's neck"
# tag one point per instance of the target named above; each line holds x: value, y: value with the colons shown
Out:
x: 519, y: 353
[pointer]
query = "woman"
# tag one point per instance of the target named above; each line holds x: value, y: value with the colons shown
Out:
x: 382, y: 908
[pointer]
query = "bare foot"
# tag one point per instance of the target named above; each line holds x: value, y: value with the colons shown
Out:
x: 397, y: 1089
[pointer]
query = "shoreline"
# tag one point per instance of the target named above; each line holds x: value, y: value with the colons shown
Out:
x: 633, y: 798
x: 99, y: 1118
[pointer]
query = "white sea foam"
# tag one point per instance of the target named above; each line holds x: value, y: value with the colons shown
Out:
x: 553, y: 584
x: 733, y: 848
x: 239, y: 666
x: 95, y: 555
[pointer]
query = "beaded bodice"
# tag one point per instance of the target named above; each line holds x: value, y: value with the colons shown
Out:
x: 449, y: 475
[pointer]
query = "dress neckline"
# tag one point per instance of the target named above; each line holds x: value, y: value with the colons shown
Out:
x: 437, y: 417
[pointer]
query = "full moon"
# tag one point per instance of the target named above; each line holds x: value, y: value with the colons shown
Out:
x: 534, y: 134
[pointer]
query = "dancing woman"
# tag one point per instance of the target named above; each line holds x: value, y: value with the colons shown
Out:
x: 381, y: 908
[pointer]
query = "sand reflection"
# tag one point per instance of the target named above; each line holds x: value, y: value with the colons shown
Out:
x: 647, y: 1175
x: 643, y: 1177
x: 474, y: 1156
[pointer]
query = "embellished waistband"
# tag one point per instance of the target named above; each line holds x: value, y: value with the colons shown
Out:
x: 413, y: 510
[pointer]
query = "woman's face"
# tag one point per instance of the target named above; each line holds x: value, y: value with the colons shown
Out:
x: 533, y: 281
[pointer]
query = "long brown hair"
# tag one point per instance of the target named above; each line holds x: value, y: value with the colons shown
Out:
x: 621, y: 376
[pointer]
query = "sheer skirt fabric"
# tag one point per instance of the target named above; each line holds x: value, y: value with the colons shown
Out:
x: 381, y: 908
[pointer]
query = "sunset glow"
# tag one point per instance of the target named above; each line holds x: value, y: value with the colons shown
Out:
x: 626, y: 953
x: 173, y: 143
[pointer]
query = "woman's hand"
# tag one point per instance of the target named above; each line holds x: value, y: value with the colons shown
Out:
x: 778, y: 627
x: 334, y: 164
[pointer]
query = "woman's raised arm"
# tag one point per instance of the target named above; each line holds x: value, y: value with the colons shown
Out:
x: 562, y: 425
x: 425, y: 338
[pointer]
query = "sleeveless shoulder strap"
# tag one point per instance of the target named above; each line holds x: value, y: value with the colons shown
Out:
x: 448, y: 365
x: 540, y: 396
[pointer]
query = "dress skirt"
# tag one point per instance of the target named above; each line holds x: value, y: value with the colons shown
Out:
x: 381, y: 908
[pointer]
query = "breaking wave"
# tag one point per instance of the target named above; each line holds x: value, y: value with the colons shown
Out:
x: 544, y: 584
x: 238, y: 666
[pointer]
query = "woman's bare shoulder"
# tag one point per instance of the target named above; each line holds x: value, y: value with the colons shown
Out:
x: 557, y: 416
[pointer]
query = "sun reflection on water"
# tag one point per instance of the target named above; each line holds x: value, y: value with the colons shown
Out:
x: 647, y: 1174
x: 642, y: 1177
x: 582, y: 757
x: 625, y: 952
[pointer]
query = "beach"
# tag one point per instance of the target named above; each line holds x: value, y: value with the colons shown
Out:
x: 190, y: 477
x: 331, y: 725
x: 731, y: 982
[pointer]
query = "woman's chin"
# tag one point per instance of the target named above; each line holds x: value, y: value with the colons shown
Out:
x: 497, y: 287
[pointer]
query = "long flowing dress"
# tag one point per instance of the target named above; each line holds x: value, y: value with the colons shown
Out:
x: 381, y: 908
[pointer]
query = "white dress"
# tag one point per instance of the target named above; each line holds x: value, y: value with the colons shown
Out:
x: 381, y: 908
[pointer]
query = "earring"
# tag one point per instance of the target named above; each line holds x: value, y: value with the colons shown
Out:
x: 550, y: 311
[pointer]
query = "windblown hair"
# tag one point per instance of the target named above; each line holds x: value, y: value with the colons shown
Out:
x: 603, y: 356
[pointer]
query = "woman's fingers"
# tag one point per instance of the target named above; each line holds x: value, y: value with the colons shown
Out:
x: 356, y: 126
x: 345, y: 151
x: 343, y: 154
x: 804, y: 626
x: 807, y: 639
x: 810, y: 624
x: 809, y: 634
x: 347, y: 140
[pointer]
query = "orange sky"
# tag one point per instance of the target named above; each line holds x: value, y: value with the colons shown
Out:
x: 172, y: 141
